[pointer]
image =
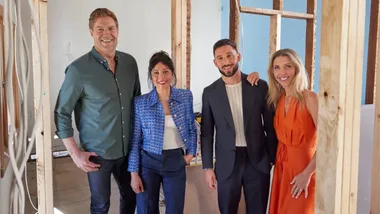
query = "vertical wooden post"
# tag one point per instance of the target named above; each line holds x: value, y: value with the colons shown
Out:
x: 375, y: 181
x: 372, y: 51
x: 341, y: 62
x: 180, y: 34
x: 234, y: 20
x: 375, y: 185
x: 275, y: 28
x: 188, y: 43
x: 3, y: 111
x: 43, y: 137
x: 311, y: 41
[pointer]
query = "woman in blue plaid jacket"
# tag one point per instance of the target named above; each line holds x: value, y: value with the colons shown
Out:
x: 164, y: 140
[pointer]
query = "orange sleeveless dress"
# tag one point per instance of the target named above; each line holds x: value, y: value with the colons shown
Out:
x: 296, y: 135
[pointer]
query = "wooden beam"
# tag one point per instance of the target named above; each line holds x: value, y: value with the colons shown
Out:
x: 275, y: 28
x: 270, y: 12
x: 372, y: 59
x: 188, y: 44
x: 311, y: 35
x: 375, y: 180
x: 275, y: 34
x: 234, y: 20
x: 278, y: 5
x: 43, y: 135
x: 3, y: 110
x: 375, y: 185
x: 340, y: 88
x: 15, y: 96
x: 179, y: 16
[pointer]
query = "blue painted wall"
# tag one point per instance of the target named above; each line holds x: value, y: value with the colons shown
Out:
x: 256, y: 35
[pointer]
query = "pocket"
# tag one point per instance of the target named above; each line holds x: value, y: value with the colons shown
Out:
x: 264, y: 164
x: 183, y: 160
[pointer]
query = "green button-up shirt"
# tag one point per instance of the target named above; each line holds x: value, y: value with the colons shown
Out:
x: 101, y: 101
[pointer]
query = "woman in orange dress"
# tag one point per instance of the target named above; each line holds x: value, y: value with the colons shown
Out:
x: 295, y: 122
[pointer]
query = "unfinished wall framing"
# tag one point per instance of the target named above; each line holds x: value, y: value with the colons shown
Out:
x: 339, y: 96
x: 181, y: 51
x: 181, y: 40
x: 337, y: 108
x: 276, y: 14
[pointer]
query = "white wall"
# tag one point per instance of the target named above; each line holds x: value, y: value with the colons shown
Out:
x: 205, y: 31
x: 367, y: 122
x: 145, y: 27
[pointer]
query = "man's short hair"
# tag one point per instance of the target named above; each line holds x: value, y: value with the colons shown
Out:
x: 224, y: 42
x: 101, y: 12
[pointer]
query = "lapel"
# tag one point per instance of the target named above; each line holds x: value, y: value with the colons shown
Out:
x: 249, y: 96
x: 223, y: 102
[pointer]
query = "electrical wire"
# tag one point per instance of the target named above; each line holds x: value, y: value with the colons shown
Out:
x: 18, y: 58
x: 18, y: 199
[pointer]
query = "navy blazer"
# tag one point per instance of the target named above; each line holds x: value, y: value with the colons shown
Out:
x: 258, y: 128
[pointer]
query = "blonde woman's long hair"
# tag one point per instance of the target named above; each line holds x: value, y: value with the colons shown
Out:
x: 299, y: 83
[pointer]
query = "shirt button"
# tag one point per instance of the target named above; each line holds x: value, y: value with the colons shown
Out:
x: 184, y: 140
x: 122, y: 107
x: 120, y: 93
x: 180, y: 128
x: 116, y: 79
x: 123, y: 136
x: 171, y: 103
x: 123, y: 121
x: 175, y: 115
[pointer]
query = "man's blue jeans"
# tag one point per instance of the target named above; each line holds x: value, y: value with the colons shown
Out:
x: 100, y: 185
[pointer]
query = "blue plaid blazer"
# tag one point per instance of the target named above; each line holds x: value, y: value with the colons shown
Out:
x: 149, y: 124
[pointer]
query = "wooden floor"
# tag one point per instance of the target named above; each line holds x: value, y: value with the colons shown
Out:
x: 72, y: 195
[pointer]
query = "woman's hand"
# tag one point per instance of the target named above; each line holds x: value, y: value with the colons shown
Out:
x: 253, y: 78
x: 136, y: 183
x: 188, y: 158
x: 300, y: 183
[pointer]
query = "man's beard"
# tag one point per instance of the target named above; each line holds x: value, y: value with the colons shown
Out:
x: 234, y: 70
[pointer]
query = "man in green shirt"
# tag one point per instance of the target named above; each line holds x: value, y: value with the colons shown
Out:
x: 99, y: 87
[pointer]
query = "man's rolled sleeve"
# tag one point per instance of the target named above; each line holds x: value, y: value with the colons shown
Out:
x: 70, y: 92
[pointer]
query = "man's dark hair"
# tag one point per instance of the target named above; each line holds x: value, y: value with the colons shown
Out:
x: 164, y: 58
x: 224, y: 42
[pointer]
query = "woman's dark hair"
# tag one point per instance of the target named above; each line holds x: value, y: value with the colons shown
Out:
x: 164, y: 58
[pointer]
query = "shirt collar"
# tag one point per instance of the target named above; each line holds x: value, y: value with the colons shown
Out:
x: 99, y: 57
